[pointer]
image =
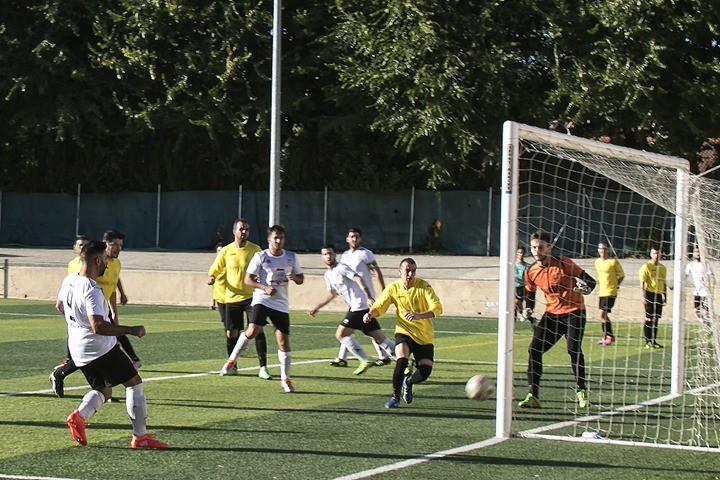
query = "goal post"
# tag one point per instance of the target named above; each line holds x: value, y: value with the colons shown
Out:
x: 584, y: 192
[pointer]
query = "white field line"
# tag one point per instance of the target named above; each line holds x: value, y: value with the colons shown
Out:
x: 158, y: 379
x: 425, y: 458
x: 26, y: 477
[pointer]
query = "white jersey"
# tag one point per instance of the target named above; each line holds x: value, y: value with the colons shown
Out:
x: 273, y: 271
x: 339, y: 280
x: 82, y: 298
x: 359, y: 260
x: 699, y: 271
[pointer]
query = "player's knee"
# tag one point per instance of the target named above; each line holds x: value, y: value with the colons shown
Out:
x: 425, y: 370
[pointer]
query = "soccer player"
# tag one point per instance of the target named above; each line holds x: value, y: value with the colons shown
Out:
x: 362, y: 260
x: 610, y: 275
x: 93, y: 346
x: 339, y: 279
x: 231, y: 263
x: 57, y: 376
x: 564, y: 283
x: 653, y: 283
x: 111, y: 284
x: 416, y: 305
x: 269, y: 273
x: 703, y: 279
x: 522, y: 296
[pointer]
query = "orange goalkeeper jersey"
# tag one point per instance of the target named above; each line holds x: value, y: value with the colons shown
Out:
x: 557, y: 281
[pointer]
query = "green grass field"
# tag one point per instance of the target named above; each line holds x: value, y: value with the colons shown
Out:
x: 333, y: 426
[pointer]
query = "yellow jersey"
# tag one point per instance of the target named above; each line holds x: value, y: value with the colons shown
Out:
x: 108, y: 281
x: 232, y: 262
x: 654, y: 277
x: 420, y: 297
x: 609, y: 274
x: 74, y: 265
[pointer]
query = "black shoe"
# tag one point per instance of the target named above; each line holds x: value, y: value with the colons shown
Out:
x: 57, y: 384
x: 383, y: 361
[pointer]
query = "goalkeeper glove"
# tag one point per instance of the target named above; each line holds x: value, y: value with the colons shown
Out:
x: 581, y: 287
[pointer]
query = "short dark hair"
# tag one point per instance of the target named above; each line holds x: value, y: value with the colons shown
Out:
x: 354, y: 230
x: 113, y: 234
x: 276, y: 229
x: 408, y: 260
x: 92, y: 250
x: 541, y: 235
x: 521, y: 248
x: 239, y: 220
x: 329, y: 246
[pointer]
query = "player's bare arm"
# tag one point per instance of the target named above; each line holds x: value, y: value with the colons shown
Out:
x: 100, y: 327
x: 298, y: 278
x: 123, y: 297
x: 328, y: 298
x: 376, y: 269
x: 252, y: 281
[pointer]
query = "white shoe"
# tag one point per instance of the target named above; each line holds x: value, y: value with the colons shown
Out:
x: 287, y: 385
x: 230, y: 368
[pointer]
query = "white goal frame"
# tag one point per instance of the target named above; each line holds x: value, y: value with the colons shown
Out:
x: 512, y: 134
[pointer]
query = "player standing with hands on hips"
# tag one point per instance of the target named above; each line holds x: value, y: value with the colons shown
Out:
x: 564, y: 284
x: 93, y: 344
x: 416, y: 305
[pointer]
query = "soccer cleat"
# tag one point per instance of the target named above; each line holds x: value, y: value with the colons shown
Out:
x: 407, y: 392
x: 410, y: 368
x: 137, y: 363
x: 530, y: 401
x: 392, y: 403
x: 606, y: 341
x: 657, y: 345
x: 287, y: 385
x: 77, y: 427
x: 147, y: 441
x: 382, y: 361
x: 57, y: 384
x: 230, y: 368
x: 263, y: 373
x: 582, y: 399
x: 364, y: 367
x: 648, y: 345
x: 338, y: 362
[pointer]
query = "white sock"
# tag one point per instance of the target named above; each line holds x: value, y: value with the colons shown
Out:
x: 240, y: 346
x: 136, y: 409
x: 389, y: 347
x: 343, y: 351
x: 352, y: 345
x: 91, y: 403
x: 381, y: 353
x: 284, y: 359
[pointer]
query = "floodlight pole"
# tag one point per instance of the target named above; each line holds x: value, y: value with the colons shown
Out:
x: 274, y: 209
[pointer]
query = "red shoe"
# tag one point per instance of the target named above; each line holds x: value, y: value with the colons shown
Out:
x: 147, y: 441
x: 77, y: 427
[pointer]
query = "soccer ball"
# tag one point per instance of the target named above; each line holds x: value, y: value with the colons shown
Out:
x: 479, y: 387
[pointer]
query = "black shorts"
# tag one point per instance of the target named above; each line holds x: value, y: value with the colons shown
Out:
x: 235, y: 314
x: 520, y: 293
x: 220, y: 307
x: 653, y: 305
x: 354, y: 320
x: 700, y: 302
x: 606, y: 303
x: 260, y: 314
x: 113, y: 368
x: 419, y: 351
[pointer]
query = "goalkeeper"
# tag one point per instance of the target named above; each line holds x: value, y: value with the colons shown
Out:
x: 564, y: 283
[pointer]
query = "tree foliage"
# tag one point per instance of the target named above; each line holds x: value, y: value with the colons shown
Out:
x: 376, y: 95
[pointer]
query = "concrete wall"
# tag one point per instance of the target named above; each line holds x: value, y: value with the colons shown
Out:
x: 459, y: 297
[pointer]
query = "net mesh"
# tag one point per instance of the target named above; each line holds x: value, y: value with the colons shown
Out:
x: 584, y: 197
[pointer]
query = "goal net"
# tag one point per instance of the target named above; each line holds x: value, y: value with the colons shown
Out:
x: 584, y: 193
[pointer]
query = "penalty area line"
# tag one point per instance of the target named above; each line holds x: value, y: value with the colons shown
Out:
x: 27, y: 477
x: 425, y: 458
